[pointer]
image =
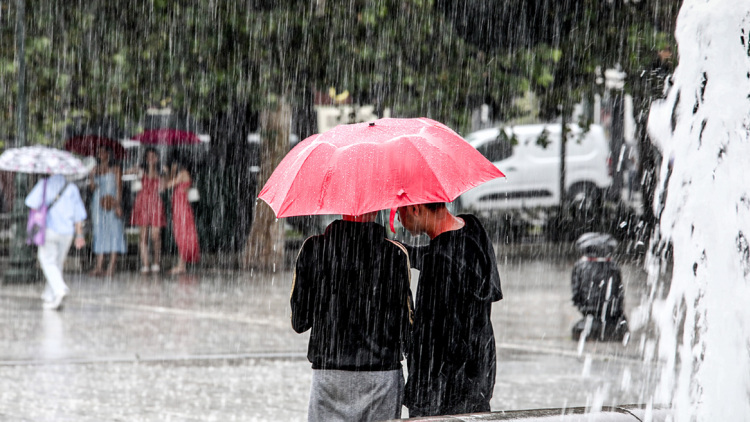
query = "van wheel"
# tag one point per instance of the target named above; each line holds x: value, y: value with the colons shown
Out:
x: 585, y: 204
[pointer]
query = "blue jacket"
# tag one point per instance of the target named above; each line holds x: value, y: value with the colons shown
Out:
x: 67, y: 210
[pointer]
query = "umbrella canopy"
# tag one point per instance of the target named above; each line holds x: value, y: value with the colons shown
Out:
x: 596, y: 244
x: 358, y: 168
x: 167, y: 137
x: 88, y: 145
x: 39, y: 159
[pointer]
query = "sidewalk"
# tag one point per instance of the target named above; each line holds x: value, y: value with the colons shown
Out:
x: 217, y: 345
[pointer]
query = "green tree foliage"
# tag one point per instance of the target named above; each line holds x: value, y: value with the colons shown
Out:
x: 558, y: 45
x: 419, y: 57
x: 437, y: 58
x: 100, y: 58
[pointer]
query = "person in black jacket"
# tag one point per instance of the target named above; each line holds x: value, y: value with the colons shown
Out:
x: 452, y: 362
x: 597, y: 290
x: 351, y: 289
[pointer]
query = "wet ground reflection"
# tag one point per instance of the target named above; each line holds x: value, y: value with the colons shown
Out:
x: 217, y: 345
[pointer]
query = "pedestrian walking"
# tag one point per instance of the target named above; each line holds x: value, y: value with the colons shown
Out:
x: 452, y: 361
x: 106, y: 211
x: 64, y: 220
x: 148, y: 211
x: 183, y: 221
x: 351, y: 289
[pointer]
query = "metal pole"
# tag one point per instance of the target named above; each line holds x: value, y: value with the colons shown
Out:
x: 21, y: 58
x: 21, y: 266
x: 615, y: 83
x: 563, y: 155
x: 617, y: 144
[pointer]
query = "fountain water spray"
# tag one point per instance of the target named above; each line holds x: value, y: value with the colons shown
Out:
x: 702, y: 129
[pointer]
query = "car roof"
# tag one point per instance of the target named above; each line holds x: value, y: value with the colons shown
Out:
x: 483, y: 136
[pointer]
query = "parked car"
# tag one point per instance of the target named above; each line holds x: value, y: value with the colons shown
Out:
x: 529, y: 156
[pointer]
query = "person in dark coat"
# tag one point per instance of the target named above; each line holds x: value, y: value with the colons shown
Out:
x: 597, y: 290
x: 452, y: 362
x: 351, y: 289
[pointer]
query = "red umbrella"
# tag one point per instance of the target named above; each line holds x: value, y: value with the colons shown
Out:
x: 167, y: 137
x: 358, y: 168
x: 87, y: 145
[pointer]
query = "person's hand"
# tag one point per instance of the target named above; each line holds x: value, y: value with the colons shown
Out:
x: 118, y: 211
x: 80, y: 242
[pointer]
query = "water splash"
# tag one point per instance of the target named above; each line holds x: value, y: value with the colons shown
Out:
x: 702, y: 129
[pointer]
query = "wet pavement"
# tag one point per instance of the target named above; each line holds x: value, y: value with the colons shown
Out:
x: 217, y: 345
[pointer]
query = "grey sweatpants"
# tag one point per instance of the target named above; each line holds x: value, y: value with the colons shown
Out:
x: 356, y: 396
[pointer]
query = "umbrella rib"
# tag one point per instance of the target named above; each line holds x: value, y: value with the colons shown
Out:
x: 287, y: 204
x: 425, y: 164
x: 429, y: 164
x: 470, y: 184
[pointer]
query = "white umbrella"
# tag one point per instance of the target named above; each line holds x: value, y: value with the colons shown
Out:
x: 39, y: 159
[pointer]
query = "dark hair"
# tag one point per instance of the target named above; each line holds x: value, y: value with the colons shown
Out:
x: 112, y: 161
x: 435, y: 206
x: 180, y: 160
x: 144, y: 159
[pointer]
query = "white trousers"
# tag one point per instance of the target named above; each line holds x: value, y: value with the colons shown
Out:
x: 51, y: 257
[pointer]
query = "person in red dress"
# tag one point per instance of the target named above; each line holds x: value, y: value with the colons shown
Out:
x: 183, y: 221
x: 148, y: 210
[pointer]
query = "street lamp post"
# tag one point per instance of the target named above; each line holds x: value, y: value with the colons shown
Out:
x: 21, y: 265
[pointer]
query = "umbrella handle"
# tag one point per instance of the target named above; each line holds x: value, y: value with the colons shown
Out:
x: 393, y: 218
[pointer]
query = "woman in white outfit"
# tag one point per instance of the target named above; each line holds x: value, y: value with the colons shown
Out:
x: 64, y: 223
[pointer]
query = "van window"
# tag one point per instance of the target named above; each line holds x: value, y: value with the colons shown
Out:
x: 496, y: 150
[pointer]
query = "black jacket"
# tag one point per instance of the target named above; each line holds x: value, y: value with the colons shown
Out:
x: 452, y: 361
x: 351, y: 287
x: 596, y: 285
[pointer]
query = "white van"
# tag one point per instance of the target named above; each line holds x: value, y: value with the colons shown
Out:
x: 529, y: 156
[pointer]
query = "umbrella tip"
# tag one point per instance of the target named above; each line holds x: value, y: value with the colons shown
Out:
x: 372, y: 123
